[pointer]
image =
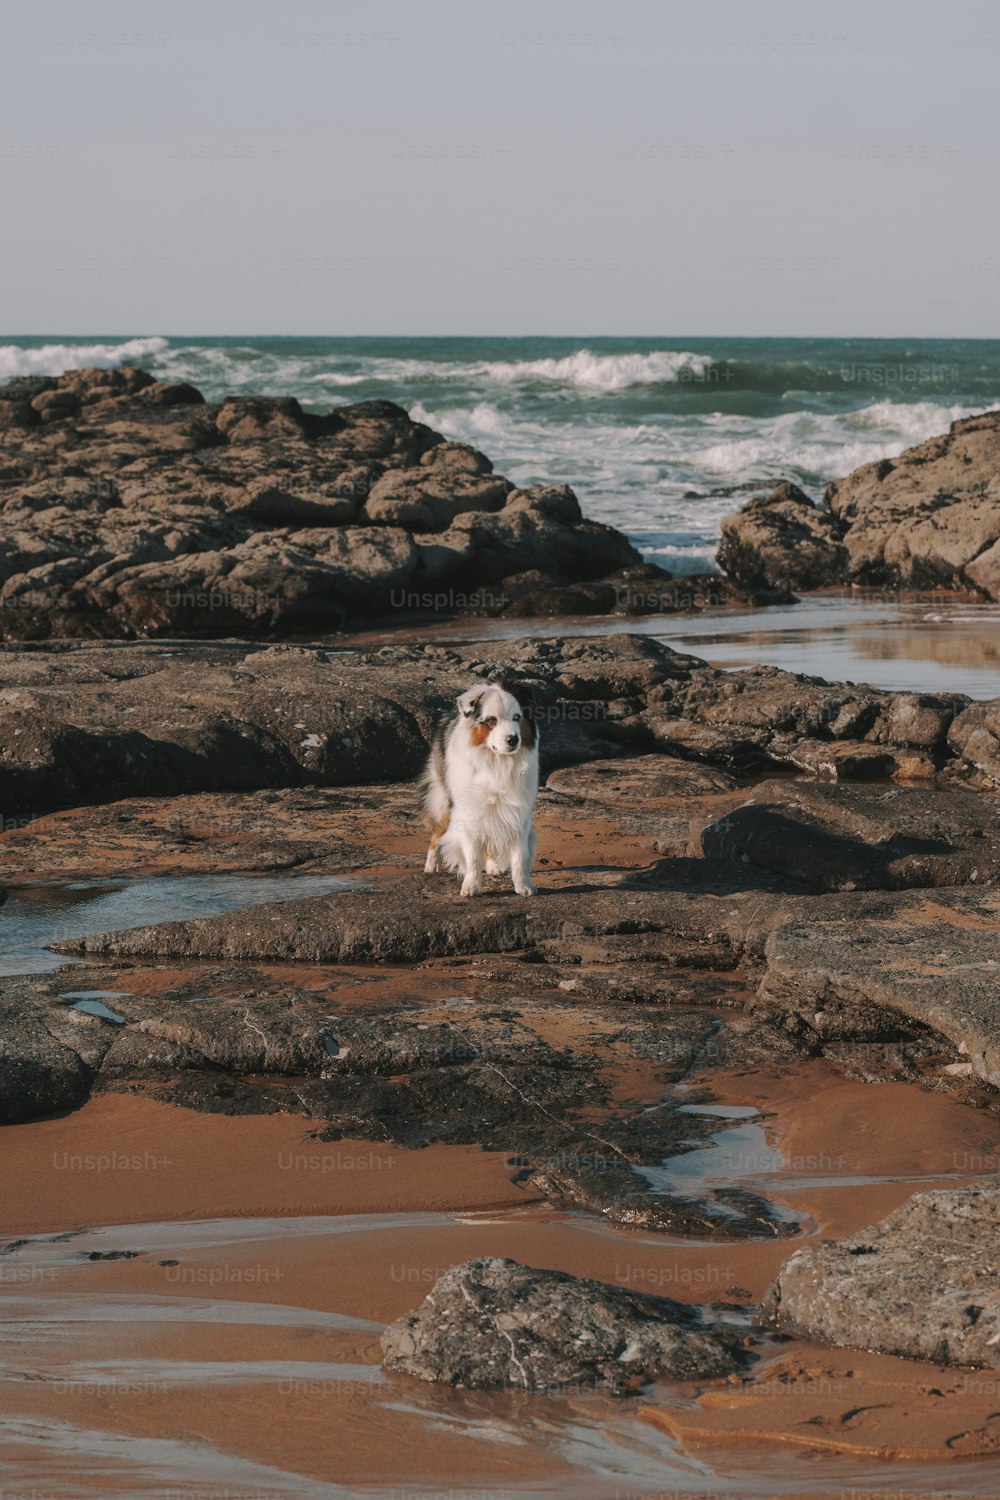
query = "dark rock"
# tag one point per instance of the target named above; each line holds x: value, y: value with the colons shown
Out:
x: 102, y: 723
x: 493, y: 1324
x: 134, y: 508
x: 854, y: 967
x: 923, y: 1283
x: 784, y: 541
x: 974, y: 738
x: 840, y: 838
x: 416, y: 918
x: 38, y: 1073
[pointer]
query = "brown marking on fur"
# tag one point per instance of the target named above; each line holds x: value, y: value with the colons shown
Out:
x: 438, y: 828
x: 527, y: 733
x: 480, y: 735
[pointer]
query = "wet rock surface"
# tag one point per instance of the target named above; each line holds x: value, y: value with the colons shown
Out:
x: 445, y: 1055
x: 924, y: 1283
x: 493, y: 1324
x: 847, y: 967
x: 927, y: 519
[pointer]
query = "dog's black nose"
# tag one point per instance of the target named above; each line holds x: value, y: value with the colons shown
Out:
x: 512, y: 741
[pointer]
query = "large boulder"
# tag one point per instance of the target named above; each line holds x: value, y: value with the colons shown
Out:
x: 493, y: 1324
x: 783, y: 540
x: 923, y: 1283
x: 930, y: 517
x: 927, y: 519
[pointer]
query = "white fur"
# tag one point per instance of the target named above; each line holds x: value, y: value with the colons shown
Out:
x: 487, y: 793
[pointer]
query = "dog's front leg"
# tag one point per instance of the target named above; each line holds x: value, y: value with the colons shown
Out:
x: 521, y: 860
x: 472, y: 864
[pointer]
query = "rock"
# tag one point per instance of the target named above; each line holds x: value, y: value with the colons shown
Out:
x: 649, y: 795
x: 841, y: 838
x: 974, y: 737
x: 153, y: 512
x: 927, y: 519
x: 411, y: 920
x: 923, y: 1283
x: 924, y: 518
x: 39, y: 1075
x: 101, y: 723
x: 764, y: 717
x: 849, y: 760
x: 856, y: 966
x: 782, y: 540
x: 493, y: 1324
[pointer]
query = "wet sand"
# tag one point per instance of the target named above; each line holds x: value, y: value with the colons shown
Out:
x: 230, y: 1345
x: 245, y: 1325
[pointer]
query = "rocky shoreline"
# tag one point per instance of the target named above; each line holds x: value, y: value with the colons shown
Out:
x: 928, y: 519
x: 133, y: 508
x: 733, y: 916
x: 742, y: 874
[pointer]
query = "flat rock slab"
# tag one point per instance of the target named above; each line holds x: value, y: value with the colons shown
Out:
x: 848, y: 964
x: 416, y: 918
x: 494, y: 1324
x: 924, y: 1283
x: 842, y: 838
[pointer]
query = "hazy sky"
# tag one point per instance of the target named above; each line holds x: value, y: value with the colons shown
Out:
x: 577, y: 168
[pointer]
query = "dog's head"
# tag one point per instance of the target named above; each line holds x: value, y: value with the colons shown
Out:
x: 496, y: 720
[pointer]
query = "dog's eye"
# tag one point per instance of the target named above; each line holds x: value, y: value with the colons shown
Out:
x: 517, y: 718
x: 490, y: 723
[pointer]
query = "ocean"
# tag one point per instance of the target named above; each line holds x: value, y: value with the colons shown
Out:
x: 661, y: 437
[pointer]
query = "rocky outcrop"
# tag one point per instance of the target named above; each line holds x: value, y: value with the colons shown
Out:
x: 845, y: 838
x: 493, y: 1324
x: 130, y: 507
x: 927, y: 519
x: 782, y: 540
x: 99, y: 723
x: 923, y: 1283
x: 850, y: 967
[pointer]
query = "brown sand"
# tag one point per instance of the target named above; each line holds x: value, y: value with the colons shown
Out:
x: 126, y: 1160
x: 331, y: 1423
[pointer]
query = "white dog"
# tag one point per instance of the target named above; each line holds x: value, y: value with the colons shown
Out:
x: 480, y: 788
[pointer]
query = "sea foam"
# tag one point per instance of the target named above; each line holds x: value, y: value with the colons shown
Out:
x: 53, y: 359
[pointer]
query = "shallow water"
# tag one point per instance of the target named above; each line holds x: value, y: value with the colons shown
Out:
x: 928, y: 644
x: 34, y: 916
x: 740, y: 1155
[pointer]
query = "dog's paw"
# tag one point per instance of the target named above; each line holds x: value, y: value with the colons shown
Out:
x: 492, y: 868
x: 470, y: 887
x: 431, y: 864
x: 525, y: 889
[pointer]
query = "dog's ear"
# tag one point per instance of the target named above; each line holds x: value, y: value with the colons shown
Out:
x: 470, y: 701
x: 524, y: 692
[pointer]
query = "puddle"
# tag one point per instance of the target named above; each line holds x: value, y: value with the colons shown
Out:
x: 904, y: 643
x: 34, y: 916
x: 98, y: 1008
x: 741, y: 1157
